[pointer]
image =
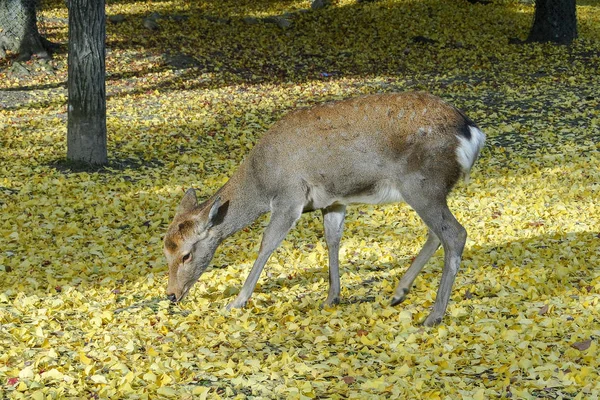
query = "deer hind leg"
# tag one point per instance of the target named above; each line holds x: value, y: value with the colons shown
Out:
x: 333, y: 221
x: 438, y: 218
x: 283, y: 218
x: 429, y: 248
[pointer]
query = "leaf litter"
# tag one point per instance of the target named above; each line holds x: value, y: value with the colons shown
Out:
x: 82, y: 276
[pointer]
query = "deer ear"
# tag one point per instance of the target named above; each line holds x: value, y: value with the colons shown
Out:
x: 214, y: 211
x: 188, y: 203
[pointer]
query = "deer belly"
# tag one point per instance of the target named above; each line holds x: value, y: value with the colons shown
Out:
x: 383, y: 192
x: 318, y: 197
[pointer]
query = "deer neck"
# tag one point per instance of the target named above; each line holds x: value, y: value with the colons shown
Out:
x: 242, y: 203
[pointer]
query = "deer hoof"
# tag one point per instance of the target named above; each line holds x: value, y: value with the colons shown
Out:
x: 330, y: 303
x: 432, y: 320
x: 235, y: 304
x: 399, y: 298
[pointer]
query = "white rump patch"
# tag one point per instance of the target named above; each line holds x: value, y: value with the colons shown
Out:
x: 468, y: 149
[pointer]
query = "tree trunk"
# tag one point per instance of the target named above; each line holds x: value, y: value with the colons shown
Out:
x: 554, y: 21
x: 86, y: 128
x: 19, y: 32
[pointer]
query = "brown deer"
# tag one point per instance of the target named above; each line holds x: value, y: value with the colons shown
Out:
x: 373, y: 149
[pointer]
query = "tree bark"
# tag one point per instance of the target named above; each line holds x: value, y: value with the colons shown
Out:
x: 554, y: 21
x: 86, y: 128
x: 19, y: 32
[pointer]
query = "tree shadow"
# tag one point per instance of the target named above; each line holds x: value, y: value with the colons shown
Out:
x: 312, y: 48
x: 588, y: 3
x: 116, y: 165
x: 532, y: 255
x: 213, y: 46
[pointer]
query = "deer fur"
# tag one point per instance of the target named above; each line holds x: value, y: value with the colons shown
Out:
x: 381, y: 148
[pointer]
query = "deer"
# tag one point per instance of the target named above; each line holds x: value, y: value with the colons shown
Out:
x: 410, y: 147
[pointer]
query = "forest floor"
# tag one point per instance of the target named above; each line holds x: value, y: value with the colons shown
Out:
x: 83, y: 312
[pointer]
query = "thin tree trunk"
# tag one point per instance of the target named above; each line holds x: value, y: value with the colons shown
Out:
x: 554, y: 21
x: 86, y: 128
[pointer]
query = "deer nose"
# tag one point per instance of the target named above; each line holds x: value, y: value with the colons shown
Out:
x: 172, y: 297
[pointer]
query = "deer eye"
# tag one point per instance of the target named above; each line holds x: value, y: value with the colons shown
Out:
x: 186, y: 257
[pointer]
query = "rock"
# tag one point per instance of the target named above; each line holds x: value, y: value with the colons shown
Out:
x: 181, y: 61
x: 178, y: 18
x: 217, y: 20
x: 46, y: 66
x: 19, y: 69
x: 251, y: 20
x: 281, y: 22
x: 318, y: 4
x: 150, y: 24
x: 423, y: 40
x: 115, y: 19
x: 284, y: 23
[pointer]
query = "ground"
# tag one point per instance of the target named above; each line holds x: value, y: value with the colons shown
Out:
x: 82, y: 276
